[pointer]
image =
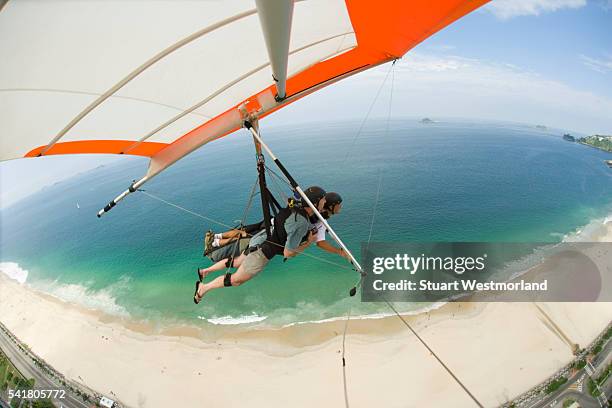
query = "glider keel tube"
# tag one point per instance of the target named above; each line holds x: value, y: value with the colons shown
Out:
x: 297, y: 188
x: 275, y: 18
x: 121, y: 196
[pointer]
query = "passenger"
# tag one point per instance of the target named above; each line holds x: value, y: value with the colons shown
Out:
x: 333, y: 206
x: 213, y: 241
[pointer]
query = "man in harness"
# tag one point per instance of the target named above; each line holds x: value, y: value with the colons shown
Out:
x: 292, y: 234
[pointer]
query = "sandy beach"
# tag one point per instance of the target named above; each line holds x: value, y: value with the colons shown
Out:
x: 498, y: 350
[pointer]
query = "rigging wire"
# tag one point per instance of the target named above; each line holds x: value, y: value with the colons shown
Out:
x: 277, y: 187
x: 434, y: 354
x: 390, y: 99
x: 184, y: 209
x: 380, y: 179
x: 348, y: 317
x: 236, y: 243
x: 280, y: 177
x: 348, y: 152
x: 358, y: 285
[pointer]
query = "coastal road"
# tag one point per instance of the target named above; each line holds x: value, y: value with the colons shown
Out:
x: 604, y: 356
x: 28, y: 369
x: 584, y: 400
x: 569, y: 390
x: 607, y: 386
x: 577, y: 388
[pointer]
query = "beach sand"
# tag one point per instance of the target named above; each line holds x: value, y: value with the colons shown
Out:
x: 498, y: 350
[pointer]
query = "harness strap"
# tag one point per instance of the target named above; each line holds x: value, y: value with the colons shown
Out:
x: 229, y: 262
x: 227, y: 281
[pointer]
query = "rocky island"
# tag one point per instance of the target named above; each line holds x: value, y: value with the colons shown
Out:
x: 569, y: 137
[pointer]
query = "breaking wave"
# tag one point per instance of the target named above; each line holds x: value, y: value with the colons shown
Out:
x: 594, y: 230
x: 14, y: 271
x: 104, y: 299
x: 229, y: 320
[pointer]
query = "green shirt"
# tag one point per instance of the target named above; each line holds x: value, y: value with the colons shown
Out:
x: 296, y: 228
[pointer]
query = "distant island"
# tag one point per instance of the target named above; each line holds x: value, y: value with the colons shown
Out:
x: 541, y: 127
x: 426, y: 120
x: 569, y: 137
x: 602, y: 142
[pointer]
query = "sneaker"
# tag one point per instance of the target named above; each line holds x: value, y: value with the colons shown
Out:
x: 208, y: 241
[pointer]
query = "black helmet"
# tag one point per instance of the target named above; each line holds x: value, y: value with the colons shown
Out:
x: 314, y: 194
x: 331, y: 199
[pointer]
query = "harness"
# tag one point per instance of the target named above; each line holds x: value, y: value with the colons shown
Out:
x: 275, y: 244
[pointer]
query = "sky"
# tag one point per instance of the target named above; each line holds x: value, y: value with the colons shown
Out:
x: 530, y: 61
x: 543, y: 62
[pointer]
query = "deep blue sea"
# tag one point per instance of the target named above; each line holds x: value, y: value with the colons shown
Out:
x: 446, y: 181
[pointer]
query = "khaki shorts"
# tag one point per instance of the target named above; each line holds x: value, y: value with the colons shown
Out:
x: 254, y: 262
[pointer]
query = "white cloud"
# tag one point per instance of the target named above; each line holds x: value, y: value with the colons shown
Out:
x: 435, y: 64
x: 442, y: 47
x: 505, y: 9
x: 603, y: 66
x: 442, y: 86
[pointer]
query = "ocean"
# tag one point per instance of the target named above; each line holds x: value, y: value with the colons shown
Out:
x: 401, y: 181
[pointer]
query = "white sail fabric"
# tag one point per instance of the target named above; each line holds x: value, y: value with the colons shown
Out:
x: 60, y: 56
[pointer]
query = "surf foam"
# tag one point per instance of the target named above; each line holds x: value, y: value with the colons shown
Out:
x: 14, y: 271
x: 229, y: 320
x: 590, y: 231
x: 103, y: 299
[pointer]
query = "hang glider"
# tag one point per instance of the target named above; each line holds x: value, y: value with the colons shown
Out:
x: 163, y: 79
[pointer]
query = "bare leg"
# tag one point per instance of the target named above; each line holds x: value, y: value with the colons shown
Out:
x: 235, y: 233
x: 229, y: 237
x: 225, y: 241
x: 237, y: 279
x: 219, y: 266
x: 238, y: 261
x: 214, y: 267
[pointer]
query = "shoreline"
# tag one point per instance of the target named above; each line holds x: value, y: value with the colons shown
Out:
x: 594, y: 147
x: 498, y: 350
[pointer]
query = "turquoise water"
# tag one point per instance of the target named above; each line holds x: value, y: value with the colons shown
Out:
x: 440, y: 182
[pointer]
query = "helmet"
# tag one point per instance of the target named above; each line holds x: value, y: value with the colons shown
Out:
x: 331, y: 199
x: 314, y: 194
